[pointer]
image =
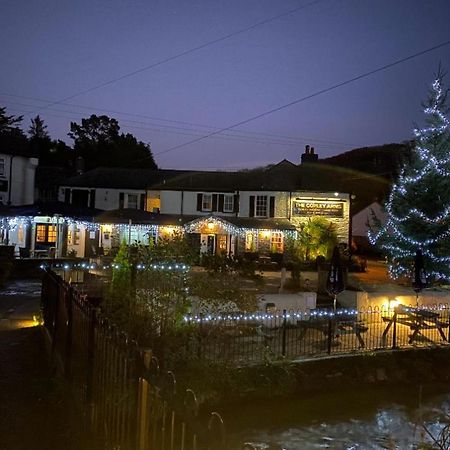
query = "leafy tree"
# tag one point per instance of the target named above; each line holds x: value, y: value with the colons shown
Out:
x: 316, y: 237
x: 8, y: 123
x: 12, y: 138
x: 99, y: 142
x: 419, y: 203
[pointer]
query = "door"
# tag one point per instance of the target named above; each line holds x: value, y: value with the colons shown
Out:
x: 207, y: 244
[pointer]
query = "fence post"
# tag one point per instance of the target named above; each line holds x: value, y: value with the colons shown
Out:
x: 90, y: 362
x: 330, y: 335
x: 143, y: 402
x: 69, y: 337
x: 283, y: 342
x: 394, y: 333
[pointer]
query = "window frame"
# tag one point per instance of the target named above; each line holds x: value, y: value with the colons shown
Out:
x: 263, y: 208
x: 130, y: 205
x: 230, y: 198
x: 277, y: 242
x: 44, y: 232
x: 205, y: 202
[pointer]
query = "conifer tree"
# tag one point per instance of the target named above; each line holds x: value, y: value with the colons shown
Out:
x: 418, y: 207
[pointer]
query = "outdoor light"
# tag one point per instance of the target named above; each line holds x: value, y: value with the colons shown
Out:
x: 211, y: 225
x: 393, y: 303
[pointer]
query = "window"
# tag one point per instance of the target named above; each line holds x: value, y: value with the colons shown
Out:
x: 228, y: 203
x: 276, y: 243
x: 132, y: 201
x: 73, y: 236
x: 207, y: 202
x: 2, y: 166
x: 45, y: 233
x: 261, y: 206
x: 251, y: 242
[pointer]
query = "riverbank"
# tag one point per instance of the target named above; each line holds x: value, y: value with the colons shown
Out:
x: 219, y: 386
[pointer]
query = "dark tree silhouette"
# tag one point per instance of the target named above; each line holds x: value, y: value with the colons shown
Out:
x: 38, y: 130
x: 99, y: 142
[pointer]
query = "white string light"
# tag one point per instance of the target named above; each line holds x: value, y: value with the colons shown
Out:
x: 411, y: 226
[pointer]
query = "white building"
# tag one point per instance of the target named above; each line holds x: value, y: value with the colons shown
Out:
x: 17, y: 175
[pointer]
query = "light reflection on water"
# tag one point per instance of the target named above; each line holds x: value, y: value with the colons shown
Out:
x: 380, y: 422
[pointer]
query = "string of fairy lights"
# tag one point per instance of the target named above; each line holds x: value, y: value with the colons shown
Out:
x: 169, y: 267
x: 11, y: 223
x: 433, y: 160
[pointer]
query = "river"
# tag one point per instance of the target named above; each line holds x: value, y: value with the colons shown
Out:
x: 385, y: 417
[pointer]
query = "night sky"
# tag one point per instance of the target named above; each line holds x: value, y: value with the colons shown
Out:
x: 53, y: 51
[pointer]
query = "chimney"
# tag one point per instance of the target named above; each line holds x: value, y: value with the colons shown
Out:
x: 309, y: 156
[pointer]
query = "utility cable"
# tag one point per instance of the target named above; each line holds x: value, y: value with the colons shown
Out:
x: 307, y: 97
x: 181, y: 54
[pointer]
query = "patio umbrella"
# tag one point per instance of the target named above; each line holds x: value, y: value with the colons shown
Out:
x: 335, y: 278
x: 420, y: 276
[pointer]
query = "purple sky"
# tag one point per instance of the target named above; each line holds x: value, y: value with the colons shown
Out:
x: 54, y: 49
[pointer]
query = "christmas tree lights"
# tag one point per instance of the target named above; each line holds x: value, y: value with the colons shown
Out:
x: 418, y: 207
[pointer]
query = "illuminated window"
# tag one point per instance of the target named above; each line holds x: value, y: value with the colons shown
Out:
x: 251, y: 242
x: 45, y: 233
x: 73, y: 236
x: 222, y: 244
x: 207, y: 202
x: 41, y: 233
x: 51, y: 233
x: 228, y: 203
x: 276, y: 243
x: 261, y: 206
x: 20, y: 233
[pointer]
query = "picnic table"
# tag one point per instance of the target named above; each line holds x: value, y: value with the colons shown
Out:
x: 417, y: 320
x: 334, y: 324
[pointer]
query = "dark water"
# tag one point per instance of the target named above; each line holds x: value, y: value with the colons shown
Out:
x: 378, y: 418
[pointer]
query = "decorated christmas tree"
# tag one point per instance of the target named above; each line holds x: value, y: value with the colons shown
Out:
x: 419, y: 203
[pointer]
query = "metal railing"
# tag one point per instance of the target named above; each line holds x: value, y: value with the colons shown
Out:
x: 131, y: 403
x: 128, y: 401
x: 245, y: 339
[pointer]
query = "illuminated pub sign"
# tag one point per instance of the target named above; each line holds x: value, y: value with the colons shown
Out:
x: 307, y: 208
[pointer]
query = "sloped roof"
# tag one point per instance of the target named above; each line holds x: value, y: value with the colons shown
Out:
x: 146, y: 218
x: 284, y: 176
x: 121, y: 178
x: 49, y: 209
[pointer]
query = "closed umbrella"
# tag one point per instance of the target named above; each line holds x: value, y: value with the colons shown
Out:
x: 335, y: 279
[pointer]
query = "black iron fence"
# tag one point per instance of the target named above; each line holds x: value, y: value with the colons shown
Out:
x: 254, y: 338
x: 128, y: 401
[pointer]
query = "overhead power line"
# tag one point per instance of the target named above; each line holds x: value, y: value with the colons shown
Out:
x: 307, y: 97
x: 181, y: 54
x: 193, y: 128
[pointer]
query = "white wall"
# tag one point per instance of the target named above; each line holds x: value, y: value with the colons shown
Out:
x: 281, y: 202
x: 22, y: 179
x: 171, y: 202
x: 105, y: 199
x: 360, y: 220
